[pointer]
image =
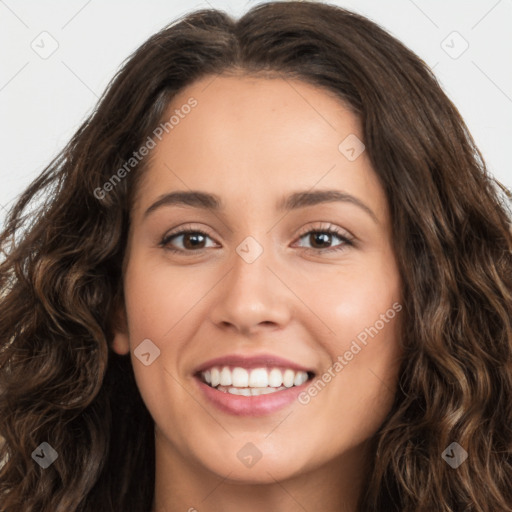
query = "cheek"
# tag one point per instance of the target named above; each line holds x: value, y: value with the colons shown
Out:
x: 159, y: 302
x: 362, y: 308
x: 352, y: 397
x: 159, y: 297
x: 355, y: 297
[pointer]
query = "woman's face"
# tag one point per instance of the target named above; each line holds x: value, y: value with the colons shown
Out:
x: 258, y: 298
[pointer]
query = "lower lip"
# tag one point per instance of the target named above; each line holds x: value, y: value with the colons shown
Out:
x: 260, y: 405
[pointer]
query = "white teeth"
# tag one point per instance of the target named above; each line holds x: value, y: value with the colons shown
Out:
x: 225, y: 377
x: 300, y: 378
x: 244, y: 381
x: 249, y: 391
x: 288, y: 377
x: 258, y: 378
x: 275, y: 378
x: 240, y: 377
x: 215, y: 377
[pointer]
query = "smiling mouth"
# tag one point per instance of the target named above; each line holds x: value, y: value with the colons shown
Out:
x: 254, y: 381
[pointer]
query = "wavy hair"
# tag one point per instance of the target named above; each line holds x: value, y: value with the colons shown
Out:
x: 63, y: 251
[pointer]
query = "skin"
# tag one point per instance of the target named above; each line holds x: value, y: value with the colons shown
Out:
x: 253, y: 141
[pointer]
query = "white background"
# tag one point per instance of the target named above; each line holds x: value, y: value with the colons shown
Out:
x: 43, y: 101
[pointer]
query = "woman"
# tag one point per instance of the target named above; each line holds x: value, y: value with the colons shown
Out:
x: 170, y: 341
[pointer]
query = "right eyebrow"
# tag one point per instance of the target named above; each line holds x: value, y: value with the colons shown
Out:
x: 194, y: 198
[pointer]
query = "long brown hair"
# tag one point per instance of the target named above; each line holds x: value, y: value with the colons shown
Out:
x: 63, y: 247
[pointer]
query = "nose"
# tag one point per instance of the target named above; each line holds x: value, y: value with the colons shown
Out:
x: 252, y: 297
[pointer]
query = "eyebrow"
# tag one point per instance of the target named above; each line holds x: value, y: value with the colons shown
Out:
x: 213, y: 202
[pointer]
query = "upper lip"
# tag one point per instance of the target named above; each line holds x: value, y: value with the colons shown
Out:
x: 259, y: 361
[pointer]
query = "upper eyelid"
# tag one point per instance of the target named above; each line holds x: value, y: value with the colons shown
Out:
x: 186, y: 229
x: 329, y: 227
x: 304, y: 231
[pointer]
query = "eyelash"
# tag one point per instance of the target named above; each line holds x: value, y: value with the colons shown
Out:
x: 164, y: 243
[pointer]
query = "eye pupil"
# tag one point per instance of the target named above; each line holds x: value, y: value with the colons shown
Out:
x: 321, y: 238
x: 193, y: 236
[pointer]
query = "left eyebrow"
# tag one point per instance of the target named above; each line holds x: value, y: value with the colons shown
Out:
x: 212, y: 202
x: 311, y: 198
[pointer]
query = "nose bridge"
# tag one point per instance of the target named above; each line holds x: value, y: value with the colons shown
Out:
x: 250, y: 272
x: 251, y: 294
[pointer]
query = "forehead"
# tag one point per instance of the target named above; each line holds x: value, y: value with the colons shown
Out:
x: 263, y: 107
x: 251, y: 135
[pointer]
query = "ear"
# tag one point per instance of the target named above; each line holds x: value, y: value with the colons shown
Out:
x: 121, y: 341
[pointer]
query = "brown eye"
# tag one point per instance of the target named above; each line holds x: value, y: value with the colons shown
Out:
x: 321, y: 239
x: 190, y: 240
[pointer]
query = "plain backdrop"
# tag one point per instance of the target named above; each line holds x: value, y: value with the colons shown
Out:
x: 57, y: 58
